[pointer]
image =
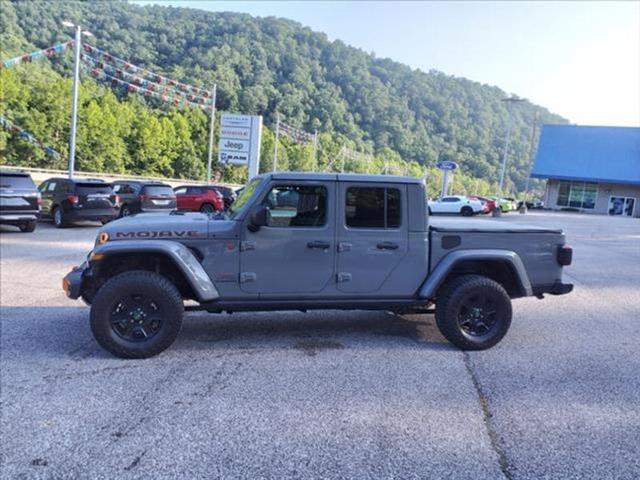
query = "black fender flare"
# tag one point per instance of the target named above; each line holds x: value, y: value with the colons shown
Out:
x: 179, y: 254
x: 440, y: 272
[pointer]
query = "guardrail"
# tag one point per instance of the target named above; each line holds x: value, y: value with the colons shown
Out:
x: 41, y: 174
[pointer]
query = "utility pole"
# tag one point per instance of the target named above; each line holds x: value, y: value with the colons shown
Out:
x: 531, y: 148
x: 74, y: 96
x: 211, y: 130
x: 275, y: 144
x: 315, y: 150
x: 510, y: 101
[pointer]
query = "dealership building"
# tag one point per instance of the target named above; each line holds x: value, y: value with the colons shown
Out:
x: 590, y: 169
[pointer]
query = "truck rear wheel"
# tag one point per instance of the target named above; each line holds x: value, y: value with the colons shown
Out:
x: 473, y: 312
x: 136, y: 314
x: 466, y: 211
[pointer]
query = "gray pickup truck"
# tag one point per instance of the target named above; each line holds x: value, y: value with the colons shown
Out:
x: 313, y: 241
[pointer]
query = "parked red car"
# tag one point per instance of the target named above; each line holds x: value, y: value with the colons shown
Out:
x: 488, y: 205
x: 199, y: 198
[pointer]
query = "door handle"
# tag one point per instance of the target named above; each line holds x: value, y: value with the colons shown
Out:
x: 317, y: 244
x: 387, y: 246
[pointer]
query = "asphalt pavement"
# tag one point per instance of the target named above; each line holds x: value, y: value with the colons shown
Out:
x: 326, y: 394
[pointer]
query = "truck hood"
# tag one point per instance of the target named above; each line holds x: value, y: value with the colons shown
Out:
x: 159, y: 226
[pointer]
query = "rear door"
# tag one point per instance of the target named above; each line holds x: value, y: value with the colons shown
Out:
x: 47, y: 191
x: 372, y: 234
x: 18, y: 194
x: 294, y: 253
x: 157, y: 197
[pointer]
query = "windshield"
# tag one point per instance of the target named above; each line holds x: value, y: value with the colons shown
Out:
x: 243, y: 198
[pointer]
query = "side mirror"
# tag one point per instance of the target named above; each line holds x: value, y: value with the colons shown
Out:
x: 258, y: 218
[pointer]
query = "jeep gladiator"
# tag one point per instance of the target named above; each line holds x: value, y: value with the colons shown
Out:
x: 300, y: 241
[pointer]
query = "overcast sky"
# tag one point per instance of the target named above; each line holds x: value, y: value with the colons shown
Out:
x: 579, y: 59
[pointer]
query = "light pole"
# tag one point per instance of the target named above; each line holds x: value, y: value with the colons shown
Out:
x: 211, y: 128
x: 510, y: 101
x: 76, y: 84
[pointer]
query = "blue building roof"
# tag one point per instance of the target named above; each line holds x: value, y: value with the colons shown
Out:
x: 595, y: 154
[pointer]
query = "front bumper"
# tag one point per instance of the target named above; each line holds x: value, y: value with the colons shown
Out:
x: 72, y: 282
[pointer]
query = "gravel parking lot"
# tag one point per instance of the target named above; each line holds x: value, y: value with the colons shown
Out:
x: 326, y: 394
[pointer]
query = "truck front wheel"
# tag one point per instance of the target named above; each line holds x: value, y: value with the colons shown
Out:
x: 473, y: 312
x: 136, y: 314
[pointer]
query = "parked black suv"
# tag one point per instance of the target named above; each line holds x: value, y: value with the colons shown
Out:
x: 19, y: 200
x: 71, y: 200
x: 228, y: 195
x: 140, y: 196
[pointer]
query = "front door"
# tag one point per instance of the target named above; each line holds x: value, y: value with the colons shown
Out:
x: 372, y: 234
x: 294, y: 253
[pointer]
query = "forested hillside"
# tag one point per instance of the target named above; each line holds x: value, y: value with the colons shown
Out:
x: 261, y: 65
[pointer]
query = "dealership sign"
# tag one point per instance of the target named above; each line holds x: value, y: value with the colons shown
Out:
x: 447, y: 165
x: 240, y: 141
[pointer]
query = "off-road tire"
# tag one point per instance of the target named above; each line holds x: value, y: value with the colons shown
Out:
x: 27, y: 227
x: 466, y: 211
x: 207, y: 208
x: 450, y: 301
x: 160, y: 290
x: 58, y: 218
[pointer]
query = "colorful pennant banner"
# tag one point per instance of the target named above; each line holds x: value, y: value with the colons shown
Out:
x: 173, y: 98
x: 8, y: 125
x: 144, y: 73
x: 297, y: 135
x: 29, y: 57
x: 143, y: 83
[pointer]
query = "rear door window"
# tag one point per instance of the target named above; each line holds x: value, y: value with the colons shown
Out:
x: 373, y: 207
x: 16, y: 182
x: 158, y: 190
x: 93, y: 188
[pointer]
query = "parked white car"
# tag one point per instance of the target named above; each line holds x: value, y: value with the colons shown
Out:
x: 456, y: 204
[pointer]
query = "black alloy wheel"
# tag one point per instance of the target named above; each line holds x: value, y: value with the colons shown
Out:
x: 136, y: 318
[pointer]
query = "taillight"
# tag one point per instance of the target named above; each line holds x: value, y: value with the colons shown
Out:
x: 116, y: 199
x: 144, y: 198
x: 73, y: 199
x: 39, y: 198
x: 565, y: 255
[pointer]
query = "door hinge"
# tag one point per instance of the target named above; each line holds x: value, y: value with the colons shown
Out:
x: 246, y: 277
x: 342, y: 277
x: 344, y: 247
x: 247, y: 245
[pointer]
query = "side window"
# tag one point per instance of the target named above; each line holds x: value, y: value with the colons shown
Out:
x: 296, y: 206
x: 43, y: 186
x: 51, y: 187
x: 180, y: 191
x: 450, y: 199
x: 194, y: 191
x: 117, y: 188
x: 373, y: 207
